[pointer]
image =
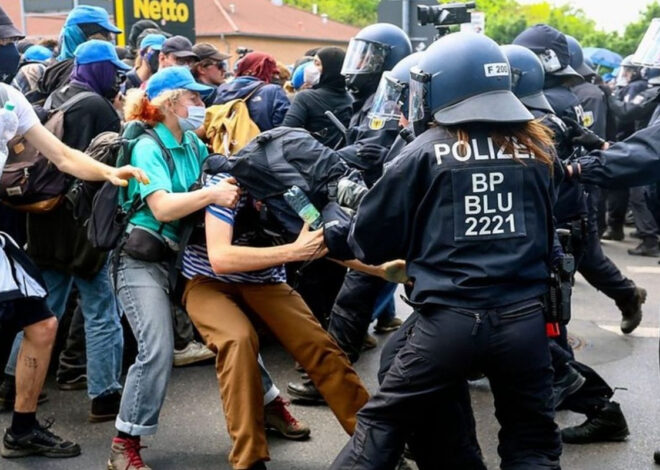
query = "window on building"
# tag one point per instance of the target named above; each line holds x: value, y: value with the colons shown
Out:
x: 60, y: 6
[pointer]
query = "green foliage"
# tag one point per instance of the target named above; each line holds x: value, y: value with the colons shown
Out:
x: 505, y: 19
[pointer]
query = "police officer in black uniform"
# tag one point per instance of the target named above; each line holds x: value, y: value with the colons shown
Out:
x: 571, y: 209
x: 375, y: 49
x: 577, y: 387
x: 472, y: 216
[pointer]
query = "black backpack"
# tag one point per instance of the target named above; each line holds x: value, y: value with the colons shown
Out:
x: 111, y: 208
x: 274, y: 161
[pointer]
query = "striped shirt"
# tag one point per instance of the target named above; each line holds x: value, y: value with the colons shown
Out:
x: 196, y: 259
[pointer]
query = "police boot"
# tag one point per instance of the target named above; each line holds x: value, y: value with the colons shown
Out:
x: 631, y: 311
x: 656, y: 457
x: 304, y: 392
x: 648, y: 247
x: 613, y: 233
x: 607, y: 424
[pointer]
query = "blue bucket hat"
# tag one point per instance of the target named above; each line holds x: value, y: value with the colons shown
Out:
x: 155, y: 41
x: 96, y: 50
x: 37, y: 54
x: 174, y: 78
x: 88, y: 14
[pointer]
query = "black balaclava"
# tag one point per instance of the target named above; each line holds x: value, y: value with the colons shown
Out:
x: 331, y: 59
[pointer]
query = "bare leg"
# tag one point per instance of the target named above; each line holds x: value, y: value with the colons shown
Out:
x: 32, y: 364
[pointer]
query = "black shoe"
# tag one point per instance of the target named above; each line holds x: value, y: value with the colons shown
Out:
x: 613, y: 233
x: 304, y: 392
x: 648, y: 247
x: 39, y: 441
x: 258, y: 466
x: 105, y: 408
x: 567, y: 385
x: 606, y: 425
x: 8, y: 394
x: 631, y: 312
x: 656, y: 456
x: 73, y: 381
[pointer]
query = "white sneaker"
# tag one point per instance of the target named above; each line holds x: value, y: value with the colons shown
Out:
x: 193, y: 352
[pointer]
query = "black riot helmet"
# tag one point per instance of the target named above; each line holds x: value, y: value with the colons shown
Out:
x: 551, y: 46
x: 461, y: 78
x: 375, y: 49
x: 527, y: 77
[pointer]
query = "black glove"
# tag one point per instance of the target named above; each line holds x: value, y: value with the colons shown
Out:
x: 582, y: 136
x: 371, y: 153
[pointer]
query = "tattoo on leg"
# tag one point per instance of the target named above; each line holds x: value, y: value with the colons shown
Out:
x: 31, y: 362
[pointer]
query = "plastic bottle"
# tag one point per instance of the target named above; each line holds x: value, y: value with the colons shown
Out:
x: 300, y: 203
x: 8, y: 128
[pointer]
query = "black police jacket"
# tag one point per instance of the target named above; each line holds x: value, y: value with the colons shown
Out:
x: 361, y: 131
x: 475, y: 226
x: 632, y: 162
x: 571, y: 198
x: 594, y: 104
x: 637, y: 110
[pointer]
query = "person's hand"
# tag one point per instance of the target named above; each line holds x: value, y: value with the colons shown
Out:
x: 120, y: 176
x: 309, y: 245
x: 372, y: 153
x: 395, y: 271
x: 584, y: 137
x: 226, y: 193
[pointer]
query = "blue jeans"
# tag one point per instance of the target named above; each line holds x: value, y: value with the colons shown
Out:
x: 104, y: 338
x: 143, y: 293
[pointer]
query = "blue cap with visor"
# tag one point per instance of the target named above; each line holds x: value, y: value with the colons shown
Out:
x: 174, y: 78
x: 97, y: 50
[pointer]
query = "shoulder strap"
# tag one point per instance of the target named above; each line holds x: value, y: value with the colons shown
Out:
x: 247, y: 97
x: 4, y: 96
x: 77, y: 98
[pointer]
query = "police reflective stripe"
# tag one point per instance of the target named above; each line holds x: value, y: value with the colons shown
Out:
x: 488, y: 203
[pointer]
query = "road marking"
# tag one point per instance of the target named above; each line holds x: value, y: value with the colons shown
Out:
x: 640, y: 331
x: 643, y: 269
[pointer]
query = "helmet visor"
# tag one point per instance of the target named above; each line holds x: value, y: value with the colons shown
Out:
x: 387, y: 102
x: 420, y: 99
x: 648, y: 51
x: 364, y: 57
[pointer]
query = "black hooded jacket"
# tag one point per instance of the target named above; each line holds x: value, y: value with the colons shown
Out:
x: 309, y: 106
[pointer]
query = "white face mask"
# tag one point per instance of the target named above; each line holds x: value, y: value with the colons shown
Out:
x: 312, y: 75
x: 194, y: 120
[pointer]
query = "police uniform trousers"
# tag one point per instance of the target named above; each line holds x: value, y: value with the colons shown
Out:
x: 617, y: 206
x: 449, y: 434
x: 353, y: 310
x: 508, y: 344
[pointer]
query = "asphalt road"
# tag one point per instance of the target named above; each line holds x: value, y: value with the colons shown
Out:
x: 193, y: 436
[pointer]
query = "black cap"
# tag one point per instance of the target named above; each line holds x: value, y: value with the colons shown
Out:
x: 179, y: 46
x: 542, y: 37
x: 7, y: 28
x: 205, y: 50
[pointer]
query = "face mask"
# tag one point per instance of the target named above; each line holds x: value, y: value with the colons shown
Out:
x: 312, y: 75
x: 9, y: 58
x: 194, y: 120
x: 152, y: 60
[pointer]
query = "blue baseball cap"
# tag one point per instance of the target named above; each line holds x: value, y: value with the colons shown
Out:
x: 155, y: 41
x: 37, y: 54
x: 97, y: 50
x: 89, y: 14
x: 174, y: 78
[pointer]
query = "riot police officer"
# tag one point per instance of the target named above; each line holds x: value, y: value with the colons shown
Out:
x: 577, y: 387
x: 468, y: 205
x: 375, y: 49
x: 571, y: 210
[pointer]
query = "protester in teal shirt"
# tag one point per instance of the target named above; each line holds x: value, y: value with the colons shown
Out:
x: 172, y: 105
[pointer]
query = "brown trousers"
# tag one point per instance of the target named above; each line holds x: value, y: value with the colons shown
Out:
x: 218, y: 310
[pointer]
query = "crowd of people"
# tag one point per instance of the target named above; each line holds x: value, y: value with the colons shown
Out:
x: 471, y: 175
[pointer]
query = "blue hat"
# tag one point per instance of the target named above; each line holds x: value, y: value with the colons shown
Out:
x: 155, y: 41
x: 37, y: 54
x: 88, y: 14
x: 298, y: 77
x: 96, y: 50
x: 174, y: 78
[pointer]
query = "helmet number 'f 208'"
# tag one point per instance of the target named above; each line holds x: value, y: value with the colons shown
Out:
x: 488, y: 203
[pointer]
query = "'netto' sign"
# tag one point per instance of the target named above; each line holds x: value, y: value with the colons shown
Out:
x: 173, y: 16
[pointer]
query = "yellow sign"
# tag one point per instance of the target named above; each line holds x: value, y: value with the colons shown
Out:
x: 173, y: 16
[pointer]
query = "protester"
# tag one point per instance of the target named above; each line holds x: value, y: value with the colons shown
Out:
x: 176, y: 50
x: 146, y: 61
x: 211, y: 69
x: 23, y: 306
x: 267, y: 103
